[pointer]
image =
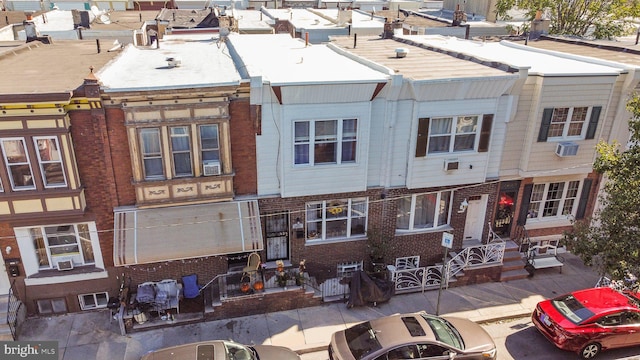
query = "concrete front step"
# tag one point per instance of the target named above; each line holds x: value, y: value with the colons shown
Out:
x: 514, y: 275
x: 512, y: 265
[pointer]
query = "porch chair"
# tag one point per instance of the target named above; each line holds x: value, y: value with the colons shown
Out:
x: 253, y: 263
x: 190, y: 287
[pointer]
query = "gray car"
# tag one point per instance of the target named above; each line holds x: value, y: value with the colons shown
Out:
x: 412, y: 336
x: 222, y: 350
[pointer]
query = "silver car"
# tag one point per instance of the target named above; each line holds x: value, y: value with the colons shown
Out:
x: 222, y: 350
x: 412, y: 336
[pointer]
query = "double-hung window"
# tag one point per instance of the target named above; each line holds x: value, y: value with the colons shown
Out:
x: 569, y: 123
x: 423, y: 211
x: 188, y: 148
x: 209, y: 143
x: 18, y: 165
x: 50, y: 161
x: 181, y: 151
x: 553, y: 200
x: 151, y: 153
x: 336, y: 219
x: 452, y: 134
x: 319, y: 142
x: 443, y: 135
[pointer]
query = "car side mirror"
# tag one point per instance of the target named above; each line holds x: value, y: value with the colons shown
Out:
x: 452, y: 354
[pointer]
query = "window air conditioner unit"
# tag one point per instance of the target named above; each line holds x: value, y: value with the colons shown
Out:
x: 211, y: 168
x: 65, y: 265
x: 451, y: 164
x: 566, y: 149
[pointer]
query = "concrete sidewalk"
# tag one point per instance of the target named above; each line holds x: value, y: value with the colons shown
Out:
x: 92, y: 335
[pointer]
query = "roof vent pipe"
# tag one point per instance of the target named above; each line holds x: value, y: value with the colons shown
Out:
x: 401, y: 52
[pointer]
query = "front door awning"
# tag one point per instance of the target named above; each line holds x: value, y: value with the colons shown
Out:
x: 145, y: 236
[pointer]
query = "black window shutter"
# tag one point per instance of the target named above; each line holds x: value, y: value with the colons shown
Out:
x: 423, y: 135
x: 593, y: 122
x: 524, y: 206
x: 485, y: 133
x: 544, y: 127
x: 584, y: 198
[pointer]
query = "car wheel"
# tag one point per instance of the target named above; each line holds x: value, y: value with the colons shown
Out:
x: 590, y: 351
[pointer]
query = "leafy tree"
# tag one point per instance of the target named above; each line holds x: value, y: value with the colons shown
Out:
x: 611, y: 239
x: 602, y: 19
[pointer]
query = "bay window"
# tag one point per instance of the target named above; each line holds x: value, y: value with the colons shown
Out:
x: 423, y: 211
x: 58, y: 243
x: 336, y: 219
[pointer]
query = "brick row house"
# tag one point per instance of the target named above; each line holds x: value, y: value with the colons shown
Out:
x: 186, y: 158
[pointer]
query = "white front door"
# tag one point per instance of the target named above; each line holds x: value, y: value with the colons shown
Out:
x: 476, y: 212
x: 5, y: 283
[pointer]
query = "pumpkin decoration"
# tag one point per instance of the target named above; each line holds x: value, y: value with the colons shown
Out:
x: 245, y: 287
x: 258, y: 285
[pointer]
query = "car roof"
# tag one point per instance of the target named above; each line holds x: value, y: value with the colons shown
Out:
x: 186, y: 351
x: 391, y: 330
x: 603, y: 300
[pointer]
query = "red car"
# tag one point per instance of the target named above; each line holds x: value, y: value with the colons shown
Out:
x: 589, y: 321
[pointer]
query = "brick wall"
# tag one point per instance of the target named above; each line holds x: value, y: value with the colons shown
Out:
x: 243, y: 147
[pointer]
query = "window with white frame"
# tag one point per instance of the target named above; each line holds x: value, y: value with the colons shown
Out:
x: 50, y: 161
x: 69, y: 242
x: 151, y: 153
x: 568, y: 122
x: 424, y: 211
x: 181, y: 151
x: 325, y: 141
x: 451, y: 134
x: 18, y: 165
x: 209, y: 142
x: 93, y: 301
x: 553, y: 200
x: 336, y: 219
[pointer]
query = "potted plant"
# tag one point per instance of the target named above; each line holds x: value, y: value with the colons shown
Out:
x: 379, y: 245
x: 302, y: 269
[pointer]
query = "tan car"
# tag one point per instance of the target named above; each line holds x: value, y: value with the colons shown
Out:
x: 413, y: 336
x: 222, y: 350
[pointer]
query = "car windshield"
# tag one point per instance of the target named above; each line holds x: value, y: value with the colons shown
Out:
x: 444, y: 331
x: 362, y: 340
x: 238, y: 352
x: 572, y: 309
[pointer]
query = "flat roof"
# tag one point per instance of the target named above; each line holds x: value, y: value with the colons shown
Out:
x: 125, y: 20
x: 419, y: 63
x: 538, y: 62
x: 204, y: 62
x: 624, y: 51
x: 39, y: 68
x: 282, y: 60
